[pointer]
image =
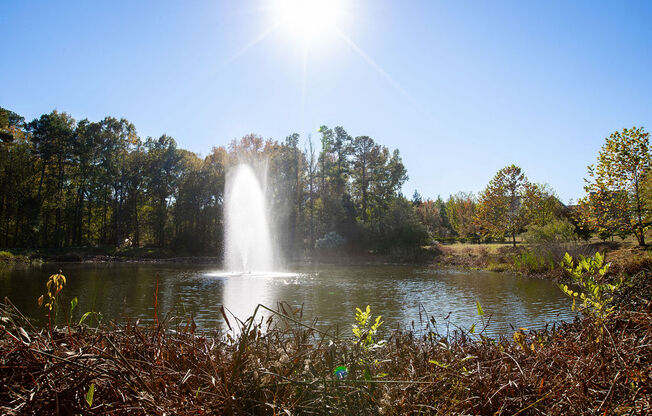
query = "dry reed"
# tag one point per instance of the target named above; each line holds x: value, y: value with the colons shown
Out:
x: 284, y: 366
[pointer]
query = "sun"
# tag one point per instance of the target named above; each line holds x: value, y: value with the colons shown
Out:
x: 309, y: 20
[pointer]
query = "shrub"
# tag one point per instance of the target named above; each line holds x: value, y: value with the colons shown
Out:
x: 531, y: 262
x: 596, y: 293
x: 331, y: 240
x: 497, y: 267
x: 560, y: 230
x: 8, y: 257
x: 401, y: 227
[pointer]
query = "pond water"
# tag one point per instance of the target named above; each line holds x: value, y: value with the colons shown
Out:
x: 404, y: 295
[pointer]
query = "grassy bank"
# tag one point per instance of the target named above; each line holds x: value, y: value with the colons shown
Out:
x: 415, y: 255
x: 531, y: 260
x: 541, y: 260
x: 284, y: 366
x: 110, y: 254
x: 7, y: 257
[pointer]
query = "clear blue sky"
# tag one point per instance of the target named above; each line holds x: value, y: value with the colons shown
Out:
x: 461, y: 88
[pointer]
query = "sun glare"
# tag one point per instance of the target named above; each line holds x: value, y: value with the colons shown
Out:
x: 309, y: 20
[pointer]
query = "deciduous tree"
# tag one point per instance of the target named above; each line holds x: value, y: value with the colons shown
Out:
x: 461, y: 209
x: 618, y: 185
x: 541, y: 204
x: 500, y: 209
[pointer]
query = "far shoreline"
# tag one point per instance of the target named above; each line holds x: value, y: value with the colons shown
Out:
x: 486, y: 257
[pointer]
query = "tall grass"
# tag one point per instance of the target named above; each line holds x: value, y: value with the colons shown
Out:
x: 283, y: 365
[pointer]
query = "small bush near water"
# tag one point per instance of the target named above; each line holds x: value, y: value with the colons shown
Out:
x: 8, y: 257
x: 281, y: 366
x: 558, y: 230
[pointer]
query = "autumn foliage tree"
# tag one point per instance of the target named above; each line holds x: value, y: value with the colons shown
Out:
x: 501, y: 209
x: 432, y: 214
x: 617, y: 199
x: 541, y: 204
x: 460, y: 209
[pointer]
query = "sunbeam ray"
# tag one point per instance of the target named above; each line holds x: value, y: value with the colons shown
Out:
x: 251, y: 11
x: 251, y: 44
x: 304, y: 82
x: 384, y: 74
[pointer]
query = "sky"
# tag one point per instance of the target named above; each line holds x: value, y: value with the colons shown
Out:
x: 461, y: 88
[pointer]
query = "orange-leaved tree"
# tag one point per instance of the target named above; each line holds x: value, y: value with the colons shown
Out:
x: 618, y: 189
x: 460, y: 209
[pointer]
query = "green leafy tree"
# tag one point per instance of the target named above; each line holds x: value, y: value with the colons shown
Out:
x: 311, y: 167
x: 416, y: 198
x: 86, y: 151
x: 18, y: 179
x: 500, y: 208
x: 11, y: 125
x: 399, y: 226
x: 541, y: 204
x: 397, y: 174
x: 12, y: 129
x: 285, y: 187
x: 189, y: 203
x: 117, y: 137
x: 52, y: 135
x: 342, y: 147
x: 618, y: 187
x: 136, y: 186
x: 64, y: 183
x: 556, y: 231
x: 163, y: 171
x: 325, y: 157
x: 367, y: 156
x: 249, y: 149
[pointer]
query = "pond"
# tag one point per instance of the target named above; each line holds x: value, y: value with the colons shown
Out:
x: 405, y: 296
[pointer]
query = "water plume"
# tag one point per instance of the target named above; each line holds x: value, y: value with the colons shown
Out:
x: 248, y: 244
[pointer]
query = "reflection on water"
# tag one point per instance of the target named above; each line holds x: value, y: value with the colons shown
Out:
x: 329, y: 293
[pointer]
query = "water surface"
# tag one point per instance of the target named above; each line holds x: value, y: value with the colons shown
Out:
x: 403, y: 295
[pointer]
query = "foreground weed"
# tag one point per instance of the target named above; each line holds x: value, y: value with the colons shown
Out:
x: 54, y: 286
x: 596, y: 293
x: 365, y: 332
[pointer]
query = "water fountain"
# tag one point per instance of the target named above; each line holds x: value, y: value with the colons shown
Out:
x: 248, y: 244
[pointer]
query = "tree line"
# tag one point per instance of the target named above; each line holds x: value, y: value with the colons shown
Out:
x: 508, y: 206
x: 618, y: 201
x: 69, y: 183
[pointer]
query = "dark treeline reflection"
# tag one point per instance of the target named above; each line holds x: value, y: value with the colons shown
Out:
x: 69, y: 183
